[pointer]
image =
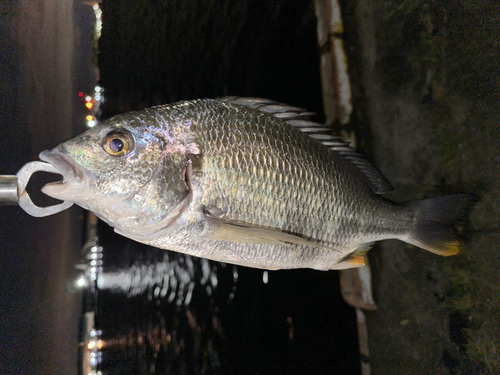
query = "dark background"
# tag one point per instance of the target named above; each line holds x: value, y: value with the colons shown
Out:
x: 151, y: 53
x: 45, y: 57
x: 159, y: 52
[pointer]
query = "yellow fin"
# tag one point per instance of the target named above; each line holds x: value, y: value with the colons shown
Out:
x: 357, y: 261
x: 444, y: 249
x: 353, y: 262
x: 434, y: 229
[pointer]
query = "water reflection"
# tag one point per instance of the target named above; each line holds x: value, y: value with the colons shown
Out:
x: 171, y: 278
x: 174, y: 344
x: 156, y: 311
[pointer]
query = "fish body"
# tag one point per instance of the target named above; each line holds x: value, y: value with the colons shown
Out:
x: 243, y: 181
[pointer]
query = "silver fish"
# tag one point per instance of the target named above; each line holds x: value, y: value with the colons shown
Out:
x: 245, y: 181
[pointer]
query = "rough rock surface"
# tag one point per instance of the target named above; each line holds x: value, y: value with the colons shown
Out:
x: 425, y: 78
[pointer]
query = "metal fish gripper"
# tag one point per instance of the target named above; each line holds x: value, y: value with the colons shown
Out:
x: 13, y: 190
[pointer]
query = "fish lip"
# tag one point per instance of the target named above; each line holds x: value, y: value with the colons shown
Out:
x: 71, y: 171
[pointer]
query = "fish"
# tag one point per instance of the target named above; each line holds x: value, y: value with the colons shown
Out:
x: 245, y: 181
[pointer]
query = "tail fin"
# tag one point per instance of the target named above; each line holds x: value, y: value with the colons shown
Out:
x: 435, y: 219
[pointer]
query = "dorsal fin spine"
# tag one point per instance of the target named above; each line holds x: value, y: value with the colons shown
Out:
x: 298, y: 118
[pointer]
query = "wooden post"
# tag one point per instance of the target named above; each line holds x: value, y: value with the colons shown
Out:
x: 355, y: 283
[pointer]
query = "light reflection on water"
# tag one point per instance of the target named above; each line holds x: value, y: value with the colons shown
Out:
x: 160, y: 347
x: 172, y: 278
x: 158, y: 311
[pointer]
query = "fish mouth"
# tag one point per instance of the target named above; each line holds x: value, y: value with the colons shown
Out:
x: 74, y: 175
x: 71, y: 171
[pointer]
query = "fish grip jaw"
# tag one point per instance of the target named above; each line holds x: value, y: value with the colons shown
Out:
x: 24, y: 200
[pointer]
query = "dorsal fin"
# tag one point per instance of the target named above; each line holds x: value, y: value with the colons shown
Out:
x: 299, y: 118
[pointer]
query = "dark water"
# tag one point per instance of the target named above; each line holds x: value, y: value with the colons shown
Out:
x: 161, y: 312
x: 158, y: 310
x: 162, y: 52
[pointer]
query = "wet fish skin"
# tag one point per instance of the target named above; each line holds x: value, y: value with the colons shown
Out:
x: 228, y: 182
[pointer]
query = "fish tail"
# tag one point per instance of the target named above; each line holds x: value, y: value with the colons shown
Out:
x: 435, y: 221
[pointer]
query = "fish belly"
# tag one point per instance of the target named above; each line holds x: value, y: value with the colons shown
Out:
x: 263, y: 256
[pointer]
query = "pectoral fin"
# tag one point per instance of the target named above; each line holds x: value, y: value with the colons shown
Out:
x: 224, y: 230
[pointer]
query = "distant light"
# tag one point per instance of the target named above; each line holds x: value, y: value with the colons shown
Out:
x: 88, y: 98
x: 91, y: 123
x: 89, y: 118
x: 81, y: 282
x: 98, y: 89
x: 93, y: 249
x: 235, y: 274
x: 97, y: 96
x: 89, y: 105
x: 93, y: 333
x: 80, y: 94
x: 95, y: 7
x: 91, y: 345
x: 265, y: 277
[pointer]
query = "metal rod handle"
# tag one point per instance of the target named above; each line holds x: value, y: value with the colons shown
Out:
x: 8, y: 190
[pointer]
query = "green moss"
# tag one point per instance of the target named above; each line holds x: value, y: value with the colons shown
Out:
x: 473, y: 289
x: 447, y: 141
x: 415, y: 53
x: 446, y: 57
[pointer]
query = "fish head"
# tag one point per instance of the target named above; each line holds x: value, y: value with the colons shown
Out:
x: 121, y: 170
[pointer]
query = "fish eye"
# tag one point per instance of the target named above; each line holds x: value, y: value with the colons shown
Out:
x: 118, y: 143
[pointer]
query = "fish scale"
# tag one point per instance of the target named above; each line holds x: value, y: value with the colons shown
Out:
x: 263, y: 134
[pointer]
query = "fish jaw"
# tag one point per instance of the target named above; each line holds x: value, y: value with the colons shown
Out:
x: 75, y: 186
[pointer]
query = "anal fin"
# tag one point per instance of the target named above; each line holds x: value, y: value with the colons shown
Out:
x: 352, y: 262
